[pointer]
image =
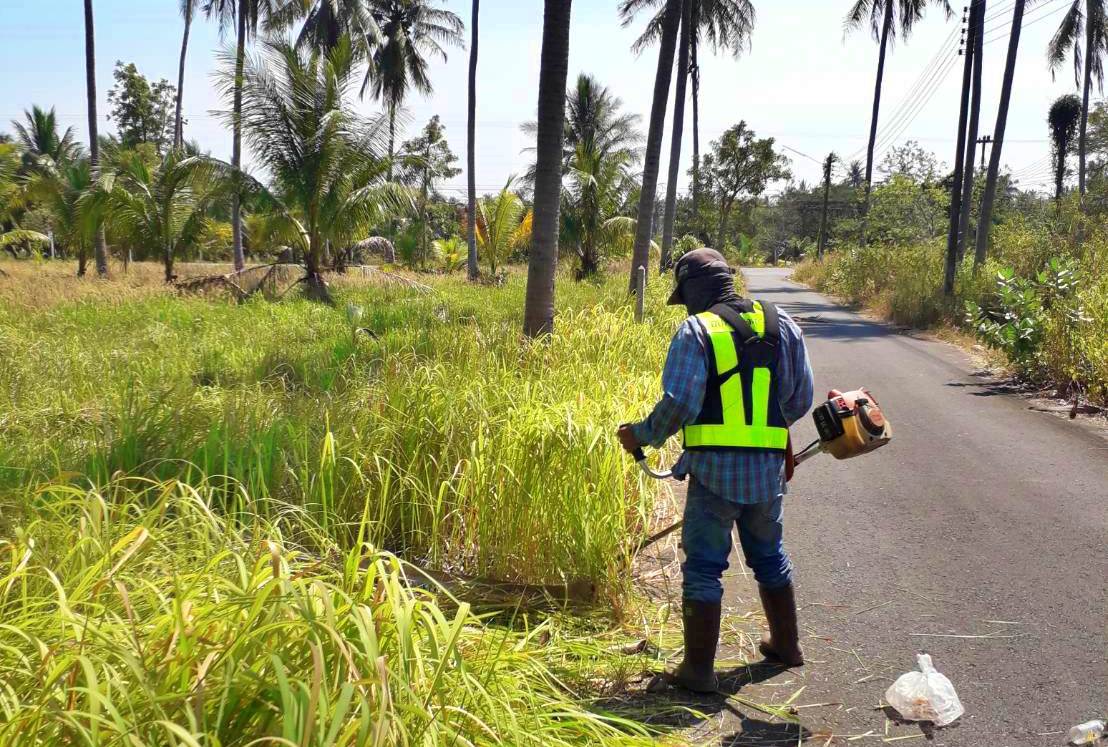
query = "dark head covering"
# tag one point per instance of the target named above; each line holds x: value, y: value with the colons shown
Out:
x: 703, y: 279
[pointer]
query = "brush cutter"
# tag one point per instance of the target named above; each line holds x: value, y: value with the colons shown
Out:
x: 849, y: 424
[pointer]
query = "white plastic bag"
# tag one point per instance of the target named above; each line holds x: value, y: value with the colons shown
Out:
x: 925, y: 695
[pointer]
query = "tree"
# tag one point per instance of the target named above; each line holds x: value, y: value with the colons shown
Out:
x: 60, y: 188
x: 471, y: 147
x: 725, y: 24
x: 601, y: 147
x: 245, y: 16
x: 426, y: 160
x: 885, y: 18
x: 93, y: 135
x: 411, y: 30
x: 141, y: 110
x: 741, y: 165
x: 913, y: 161
x: 503, y: 225
x: 1090, y: 24
x: 39, y: 139
x: 1063, y: 118
x: 161, y: 207
x: 671, y: 23
x: 326, y: 162
x: 538, y: 311
x: 188, y: 9
x: 856, y: 174
x: 989, y: 196
x: 677, y: 131
x: 828, y: 166
x: 328, y: 21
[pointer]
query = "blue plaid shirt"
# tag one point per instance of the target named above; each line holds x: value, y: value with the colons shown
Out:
x: 739, y: 476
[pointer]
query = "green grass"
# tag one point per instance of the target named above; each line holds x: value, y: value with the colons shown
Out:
x: 136, y: 614
x: 203, y: 507
x: 445, y: 434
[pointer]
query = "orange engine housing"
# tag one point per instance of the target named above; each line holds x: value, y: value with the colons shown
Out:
x: 851, y: 423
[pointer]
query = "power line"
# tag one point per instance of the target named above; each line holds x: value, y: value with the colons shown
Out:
x: 1026, y: 24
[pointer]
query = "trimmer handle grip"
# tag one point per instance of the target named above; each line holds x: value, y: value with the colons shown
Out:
x: 638, y: 454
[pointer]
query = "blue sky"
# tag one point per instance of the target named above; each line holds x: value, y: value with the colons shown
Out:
x: 802, y: 82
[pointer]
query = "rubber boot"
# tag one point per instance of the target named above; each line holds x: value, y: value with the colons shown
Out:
x: 701, y: 625
x: 782, y: 643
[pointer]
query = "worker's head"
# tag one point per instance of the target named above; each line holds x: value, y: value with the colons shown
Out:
x: 702, y: 278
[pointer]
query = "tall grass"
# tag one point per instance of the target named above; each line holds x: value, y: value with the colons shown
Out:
x: 440, y: 432
x: 904, y: 283
x: 137, y: 614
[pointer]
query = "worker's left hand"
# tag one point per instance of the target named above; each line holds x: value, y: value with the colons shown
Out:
x: 627, y: 439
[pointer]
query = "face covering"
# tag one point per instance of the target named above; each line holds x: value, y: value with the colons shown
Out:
x: 702, y: 292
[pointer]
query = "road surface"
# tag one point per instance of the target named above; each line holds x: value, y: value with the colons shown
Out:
x: 979, y: 535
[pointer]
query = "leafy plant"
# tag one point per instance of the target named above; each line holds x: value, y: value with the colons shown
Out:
x: 503, y: 225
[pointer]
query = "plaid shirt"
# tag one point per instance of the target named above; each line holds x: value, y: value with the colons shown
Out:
x: 740, y: 476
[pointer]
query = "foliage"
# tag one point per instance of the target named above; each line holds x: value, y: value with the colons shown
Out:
x: 905, y: 15
x: 1063, y: 119
x: 740, y: 165
x: 142, y: 112
x: 912, y: 162
x: 424, y: 162
x: 450, y: 253
x: 61, y: 189
x: 726, y: 24
x: 39, y: 139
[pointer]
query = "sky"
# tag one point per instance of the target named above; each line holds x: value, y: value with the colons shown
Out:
x: 803, y: 81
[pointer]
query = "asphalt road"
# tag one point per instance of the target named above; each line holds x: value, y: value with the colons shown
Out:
x: 978, y: 535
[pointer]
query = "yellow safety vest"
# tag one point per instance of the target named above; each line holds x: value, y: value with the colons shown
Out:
x: 741, y: 408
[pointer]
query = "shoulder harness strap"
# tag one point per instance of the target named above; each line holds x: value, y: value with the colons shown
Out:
x: 742, y: 327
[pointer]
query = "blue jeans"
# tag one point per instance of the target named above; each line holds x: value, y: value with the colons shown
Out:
x: 706, y: 538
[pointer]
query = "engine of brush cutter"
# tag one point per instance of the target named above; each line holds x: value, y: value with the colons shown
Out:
x: 851, y: 423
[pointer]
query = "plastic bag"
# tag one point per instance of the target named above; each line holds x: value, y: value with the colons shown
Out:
x: 925, y: 695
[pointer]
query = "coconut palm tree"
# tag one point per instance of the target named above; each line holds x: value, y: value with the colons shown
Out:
x: 40, y: 141
x: 1082, y: 24
x: 538, y: 311
x: 161, y: 207
x: 596, y: 188
x: 188, y: 9
x: 410, y: 32
x: 471, y: 147
x: 1063, y: 118
x: 326, y: 162
x: 93, y: 134
x: 726, y: 25
x: 60, y: 188
x: 503, y: 224
x: 245, y: 16
x: 885, y: 18
x: 671, y: 22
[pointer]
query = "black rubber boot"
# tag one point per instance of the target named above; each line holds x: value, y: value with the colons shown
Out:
x: 701, y: 624
x: 782, y: 643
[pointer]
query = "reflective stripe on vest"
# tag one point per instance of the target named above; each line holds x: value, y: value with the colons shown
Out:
x: 733, y: 432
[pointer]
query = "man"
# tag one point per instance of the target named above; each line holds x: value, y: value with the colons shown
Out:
x: 736, y: 376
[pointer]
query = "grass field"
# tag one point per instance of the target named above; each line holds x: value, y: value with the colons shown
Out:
x: 199, y: 502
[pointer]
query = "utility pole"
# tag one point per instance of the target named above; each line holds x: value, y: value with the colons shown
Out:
x: 989, y: 197
x: 983, y: 141
x: 828, y: 164
x: 977, y: 34
x: 951, y: 268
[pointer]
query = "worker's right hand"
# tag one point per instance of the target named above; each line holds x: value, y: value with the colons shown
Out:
x: 627, y: 438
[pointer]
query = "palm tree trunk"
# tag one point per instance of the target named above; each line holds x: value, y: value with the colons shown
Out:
x: 392, y: 140
x: 167, y: 258
x: 471, y: 147
x: 886, y: 27
x: 1089, y: 59
x: 93, y: 134
x: 694, y: 74
x: 640, y: 255
x: 986, y: 216
x: 178, y: 126
x: 538, y: 312
x: 82, y: 260
x: 239, y: 259
x: 971, y: 136
x: 678, y: 131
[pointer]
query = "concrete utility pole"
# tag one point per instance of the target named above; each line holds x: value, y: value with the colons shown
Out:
x: 828, y: 164
x: 977, y: 33
x: 989, y: 197
x: 951, y: 269
x: 983, y: 141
